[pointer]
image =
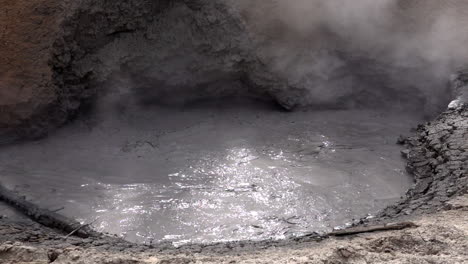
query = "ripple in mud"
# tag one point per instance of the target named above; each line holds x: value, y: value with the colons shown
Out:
x: 215, y: 173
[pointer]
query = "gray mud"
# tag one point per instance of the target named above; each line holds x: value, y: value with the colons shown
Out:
x: 215, y: 171
x: 441, y: 238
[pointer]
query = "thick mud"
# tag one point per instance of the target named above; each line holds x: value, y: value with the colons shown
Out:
x: 438, y: 238
x: 215, y: 171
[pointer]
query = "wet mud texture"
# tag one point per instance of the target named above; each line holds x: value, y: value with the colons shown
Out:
x: 440, y: 189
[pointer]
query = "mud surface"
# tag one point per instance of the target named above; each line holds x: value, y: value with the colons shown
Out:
x: 215, y: 171
x: 441, y: 237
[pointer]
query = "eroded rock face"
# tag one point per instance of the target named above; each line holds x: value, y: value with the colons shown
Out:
x: 59, y: 53
x: 166, y: 48
x: 27, y: 32
x: 170, y: 51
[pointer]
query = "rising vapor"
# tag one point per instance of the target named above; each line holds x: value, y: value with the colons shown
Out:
x: 361, y: 51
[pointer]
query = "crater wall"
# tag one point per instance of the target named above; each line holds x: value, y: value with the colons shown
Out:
x: 56, y: 55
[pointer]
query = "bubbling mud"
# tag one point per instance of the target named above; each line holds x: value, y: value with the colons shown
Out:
x: 215, y: 171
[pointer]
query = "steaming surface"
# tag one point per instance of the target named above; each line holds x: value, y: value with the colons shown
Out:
x: 215, y: 171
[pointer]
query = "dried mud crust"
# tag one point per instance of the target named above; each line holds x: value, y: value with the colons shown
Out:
x: 438, y: 158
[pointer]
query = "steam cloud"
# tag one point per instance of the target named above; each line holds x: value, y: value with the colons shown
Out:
x: 361, y: 49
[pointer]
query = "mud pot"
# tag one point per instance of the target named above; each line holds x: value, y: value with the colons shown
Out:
x: 228, y: 131
x: 215, y: 171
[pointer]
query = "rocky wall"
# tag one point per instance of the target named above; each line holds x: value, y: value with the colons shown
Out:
x: 28, y: 30
x: 56, y: 55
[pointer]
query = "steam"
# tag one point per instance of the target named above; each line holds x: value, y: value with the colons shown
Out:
x: 349, y: 51
x: 325, y: 53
